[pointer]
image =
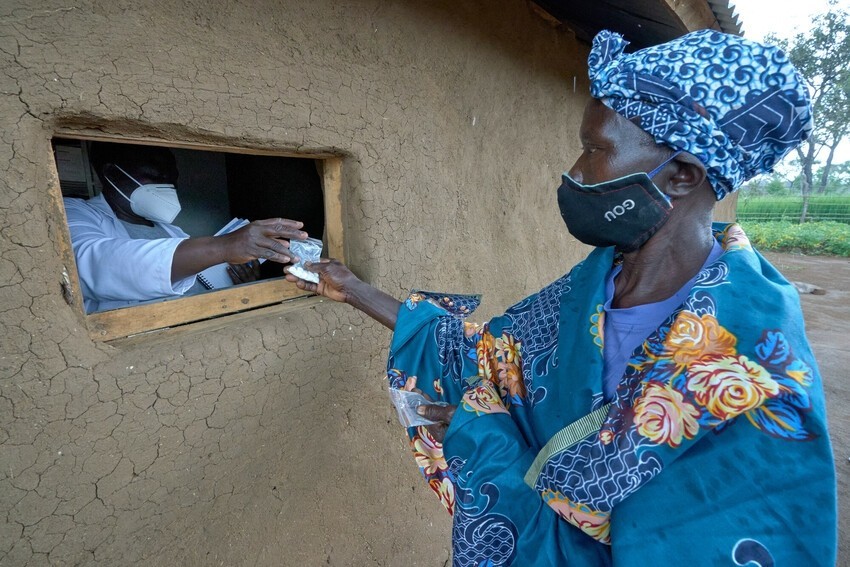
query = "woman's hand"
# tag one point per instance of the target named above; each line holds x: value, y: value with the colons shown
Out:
x: 336, y: 281
x: 439, y: 414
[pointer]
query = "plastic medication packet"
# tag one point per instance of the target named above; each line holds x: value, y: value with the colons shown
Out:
x: 406, y: 403
x: 307, y: 250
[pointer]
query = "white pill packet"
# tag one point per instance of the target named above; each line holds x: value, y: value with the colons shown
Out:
x: 405, y: 405
x: 308, y: 250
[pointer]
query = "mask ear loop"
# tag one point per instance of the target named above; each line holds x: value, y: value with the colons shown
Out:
x: 651, y: 174
x: 116, y: 187
x: 139, y: 184
x: 655, y: 171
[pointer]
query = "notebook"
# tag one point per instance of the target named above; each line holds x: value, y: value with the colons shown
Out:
x: 216, y: 277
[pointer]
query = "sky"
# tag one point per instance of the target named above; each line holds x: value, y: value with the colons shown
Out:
x: 785, y: 18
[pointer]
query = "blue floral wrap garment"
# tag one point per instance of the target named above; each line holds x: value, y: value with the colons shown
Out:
x: 714, y: 452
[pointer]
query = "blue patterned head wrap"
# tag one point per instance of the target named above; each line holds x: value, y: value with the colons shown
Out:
x: 756, y: 105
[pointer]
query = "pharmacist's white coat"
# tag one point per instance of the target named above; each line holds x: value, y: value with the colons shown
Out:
x: 114, y: 269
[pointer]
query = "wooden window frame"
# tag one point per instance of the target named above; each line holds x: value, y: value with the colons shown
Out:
x: 138, y: 319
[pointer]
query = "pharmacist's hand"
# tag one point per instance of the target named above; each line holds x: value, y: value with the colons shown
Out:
x: 336, y: 281
x: 267, y: 238
x: 441, y: 415
x: 244, y: 273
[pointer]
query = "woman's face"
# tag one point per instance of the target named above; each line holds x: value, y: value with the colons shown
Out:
x: 613, y: 147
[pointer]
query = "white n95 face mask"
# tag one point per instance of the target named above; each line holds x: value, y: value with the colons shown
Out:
x: 157, y: 202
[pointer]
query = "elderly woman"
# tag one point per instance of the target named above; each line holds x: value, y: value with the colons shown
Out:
x: 658, y: 404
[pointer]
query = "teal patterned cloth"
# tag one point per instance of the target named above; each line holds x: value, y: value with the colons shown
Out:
x: 714, y: 452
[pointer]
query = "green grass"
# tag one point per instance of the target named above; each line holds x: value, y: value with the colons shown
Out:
x: 815, y: 238
x: 772, y: 208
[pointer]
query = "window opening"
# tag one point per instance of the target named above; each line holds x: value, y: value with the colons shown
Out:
x: 214, y: 186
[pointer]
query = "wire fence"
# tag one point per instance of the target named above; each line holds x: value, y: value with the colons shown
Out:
x: 768, y: 208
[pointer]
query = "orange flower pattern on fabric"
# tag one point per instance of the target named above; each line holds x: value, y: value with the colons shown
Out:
x: 445, y: 492
x: 730, y: 385
x: 735, y: 239
x: 511, y: 384
x: 692, y: 336
x: 688, y: 378
x: 488, y: 367
x: 662, y: 415
x: 483, y: 399
x: 595, y: 524
x: 428, y: 452
x: 499, y: 363
x: 703, y: 382
x: 508, y: 349
x: 509, y: 364
x: 470, y: 329
x: 606, y: 435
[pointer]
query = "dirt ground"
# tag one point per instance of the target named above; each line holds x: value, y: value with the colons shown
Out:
x: 827, y: 324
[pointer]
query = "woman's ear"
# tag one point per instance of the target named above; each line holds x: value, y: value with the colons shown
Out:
x: 689, y: 175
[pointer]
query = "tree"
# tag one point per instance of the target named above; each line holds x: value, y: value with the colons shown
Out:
x: 822, y: 55
x: 775, y: 187
x: 774, y: 184
x: 839, y: 178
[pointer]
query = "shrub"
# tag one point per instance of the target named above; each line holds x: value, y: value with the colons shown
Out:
x: 816, y: 238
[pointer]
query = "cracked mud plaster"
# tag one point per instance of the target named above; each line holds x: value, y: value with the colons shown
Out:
x: 269, y: 440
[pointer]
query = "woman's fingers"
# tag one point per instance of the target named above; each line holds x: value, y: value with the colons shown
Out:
x: 334, y: 276
x: 437, y: 413
x: 438, y: 431
x: 302, y: 284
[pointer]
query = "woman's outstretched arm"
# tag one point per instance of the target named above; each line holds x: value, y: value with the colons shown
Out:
x: 338, y: 283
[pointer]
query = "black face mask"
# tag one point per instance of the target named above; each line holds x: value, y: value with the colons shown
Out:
x: 624, y: 213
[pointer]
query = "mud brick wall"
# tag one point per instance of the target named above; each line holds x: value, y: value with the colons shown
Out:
x: 267, y: 439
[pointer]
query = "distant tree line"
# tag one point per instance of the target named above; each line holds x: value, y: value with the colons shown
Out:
x: 834, y: 181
